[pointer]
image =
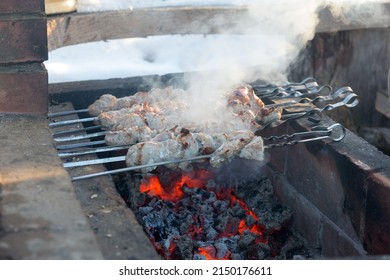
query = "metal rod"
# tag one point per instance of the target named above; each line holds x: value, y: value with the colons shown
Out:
x: 94, y: 161
x: 328, y: 131
x: 131, y: 168
x: 69, y: 122
x: 66, y: 113
x: 80, y: 145
x: 74, y: 131
x: 80, y: 137
x: 93, y: 151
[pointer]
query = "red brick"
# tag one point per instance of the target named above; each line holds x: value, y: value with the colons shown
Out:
x: 23, y: 40
x: 24, y: 90
x: 22, y: 6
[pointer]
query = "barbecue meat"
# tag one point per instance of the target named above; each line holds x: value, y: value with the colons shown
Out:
x: 186, y: 145
x: 232, y: 147
x: 243, y: 98
x: 153, y: 152
x: 129, y: 136
x: 115, y: 120
x: 254, y: 150
x: 106, y: 102
x: 269, y: 115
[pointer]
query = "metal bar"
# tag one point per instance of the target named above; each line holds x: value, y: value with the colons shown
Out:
x: 69, y: 122
x: 327, y: 130
x: 81, y: 145
x: 80, y: 137
x: 94, y: 161
x: 93, y: 151
x: 66, y: 113
x: 74, y: 131
x: 131, y: 168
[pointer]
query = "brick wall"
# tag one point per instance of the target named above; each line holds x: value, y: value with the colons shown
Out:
x: 23, y: 48
x: 340, y: 193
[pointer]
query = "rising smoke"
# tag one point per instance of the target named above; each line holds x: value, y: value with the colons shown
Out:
x: 263, y: 43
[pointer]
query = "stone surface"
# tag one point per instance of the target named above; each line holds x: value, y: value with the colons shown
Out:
x: 40, y: 216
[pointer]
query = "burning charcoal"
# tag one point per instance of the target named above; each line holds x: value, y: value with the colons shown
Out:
x: 247, y: 239
x: 231, y: 242
x: 208, y: 251
x: 222, y: 249
x: 183, y: 220
x: 196, y: 198
x: 232, y: 225
x: 237, y: 211
x: 220, y: 222
x: 220, y: 206
x: 211, y: 186
x: 276, y: 218
x: 263, y: 250
x: 212, y: 198
x: 199, y: 257
x: 183, y: 203
x: 153, y: 220
x: 211, y: 233
x: 184, y: 248
x: 204, y: 208
x: 188, y: 191
x: 250, y: 221
x: 236, y: 257
x: 257, y: 251
x: 143, y: 211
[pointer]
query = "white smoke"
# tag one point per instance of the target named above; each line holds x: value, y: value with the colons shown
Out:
x: 267, y: 40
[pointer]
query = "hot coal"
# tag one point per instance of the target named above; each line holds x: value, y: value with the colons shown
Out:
x: 200, y: 219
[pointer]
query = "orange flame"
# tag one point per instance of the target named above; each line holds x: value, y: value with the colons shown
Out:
x: 174, y: 192
x: 208, y: 252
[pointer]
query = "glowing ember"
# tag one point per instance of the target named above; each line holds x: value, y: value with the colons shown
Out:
x: 208, y: 252
x: 174, y: 191
x: 215, y: 215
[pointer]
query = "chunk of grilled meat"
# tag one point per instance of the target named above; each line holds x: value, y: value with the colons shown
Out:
x: 222, y: 148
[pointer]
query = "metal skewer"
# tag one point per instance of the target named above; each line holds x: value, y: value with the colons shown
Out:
x: 74, y: 131
x: 81, y: 145
x: 131, y: 168
x: 319, y: 133
x: 66, y: 113
x: 80, y: 137
x: 94, y: 161
x: 93, y: 151
x: 75, y: 121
